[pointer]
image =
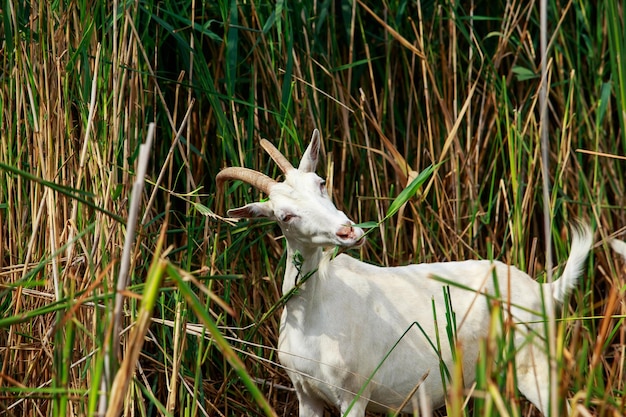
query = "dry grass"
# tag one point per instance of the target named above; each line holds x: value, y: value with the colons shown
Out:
x: 393, y: 89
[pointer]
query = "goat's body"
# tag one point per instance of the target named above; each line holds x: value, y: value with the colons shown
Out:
x: 387, y: 303
x: 330, y: 349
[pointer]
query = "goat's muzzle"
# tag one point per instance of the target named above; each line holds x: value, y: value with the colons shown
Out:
x: 351, y: 236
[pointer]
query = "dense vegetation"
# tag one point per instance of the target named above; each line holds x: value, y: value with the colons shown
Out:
x: 394, y: 87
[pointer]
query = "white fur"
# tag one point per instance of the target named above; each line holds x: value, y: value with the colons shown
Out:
x: 345, y: 319
x: 619, y: 247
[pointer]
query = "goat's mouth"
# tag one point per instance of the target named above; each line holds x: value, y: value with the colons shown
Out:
x: 352, y: 243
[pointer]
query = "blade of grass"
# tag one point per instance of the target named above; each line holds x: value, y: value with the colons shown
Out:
x: 126, y: 371
x: 222, y: 344
x: 65, y: 190
x: 617, y: 49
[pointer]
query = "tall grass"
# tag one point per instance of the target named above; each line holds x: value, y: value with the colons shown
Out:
x: 394, y: 88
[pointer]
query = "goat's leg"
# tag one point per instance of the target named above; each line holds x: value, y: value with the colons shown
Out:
x: 310, y: 406
x: 357, y: 410
x: 533, y: 376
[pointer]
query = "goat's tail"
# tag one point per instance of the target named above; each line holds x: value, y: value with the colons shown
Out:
x: 581, y: 245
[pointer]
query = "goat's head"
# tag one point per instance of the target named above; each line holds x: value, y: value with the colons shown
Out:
x: 300, y: 204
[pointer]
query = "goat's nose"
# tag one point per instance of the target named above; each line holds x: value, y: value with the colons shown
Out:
x: 345, y: 232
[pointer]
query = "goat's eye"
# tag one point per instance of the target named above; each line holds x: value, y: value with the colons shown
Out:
x: 322, y: 186
x: 285, y: 218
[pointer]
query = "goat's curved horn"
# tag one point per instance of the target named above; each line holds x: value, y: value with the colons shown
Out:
x: 278, y: 157
x: 254, y: 178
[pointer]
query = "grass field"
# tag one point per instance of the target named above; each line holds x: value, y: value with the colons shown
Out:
x: 170, y: 317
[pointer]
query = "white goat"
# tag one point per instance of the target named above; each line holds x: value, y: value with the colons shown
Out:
x: 346, y: 322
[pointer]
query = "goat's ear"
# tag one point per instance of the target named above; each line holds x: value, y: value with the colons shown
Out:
x: 252, y: 210
x: 311, y: 155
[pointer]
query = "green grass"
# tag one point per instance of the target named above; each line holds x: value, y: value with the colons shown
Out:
x: 393, y: 88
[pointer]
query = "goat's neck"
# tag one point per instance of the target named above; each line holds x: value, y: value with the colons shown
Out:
x: 301, y: 262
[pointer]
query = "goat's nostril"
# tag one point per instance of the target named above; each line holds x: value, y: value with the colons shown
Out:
x: 345, y: 232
